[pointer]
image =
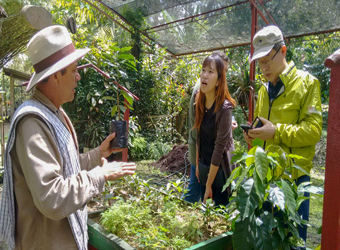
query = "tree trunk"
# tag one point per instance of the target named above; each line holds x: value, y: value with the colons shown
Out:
x: 16, y: 30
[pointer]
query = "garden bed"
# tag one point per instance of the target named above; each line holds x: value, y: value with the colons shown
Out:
x: 99, y: 238
x: 156, y: 218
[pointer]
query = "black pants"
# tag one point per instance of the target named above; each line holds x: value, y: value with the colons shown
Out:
x: 218, y: 197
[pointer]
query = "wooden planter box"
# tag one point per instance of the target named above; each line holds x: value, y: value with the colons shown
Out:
x: 101, y: 240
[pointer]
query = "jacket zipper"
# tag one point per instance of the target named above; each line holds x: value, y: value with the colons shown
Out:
x: 270, y: 106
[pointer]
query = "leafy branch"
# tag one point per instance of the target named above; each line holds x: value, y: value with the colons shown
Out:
x: 267, y: 199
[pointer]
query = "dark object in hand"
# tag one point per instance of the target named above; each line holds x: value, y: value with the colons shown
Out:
x: 121, y: 139
x: 245, y: 127
x: 256, y: 124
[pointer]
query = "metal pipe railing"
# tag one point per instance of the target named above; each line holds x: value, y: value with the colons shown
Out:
x: 106, y: 75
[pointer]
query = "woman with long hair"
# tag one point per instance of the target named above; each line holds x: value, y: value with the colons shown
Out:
x: 213, y: 119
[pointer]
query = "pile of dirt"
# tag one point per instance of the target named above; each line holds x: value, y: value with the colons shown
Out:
x: 175, y: 161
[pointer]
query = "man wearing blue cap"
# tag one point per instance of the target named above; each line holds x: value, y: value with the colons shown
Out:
x: 289, y: 106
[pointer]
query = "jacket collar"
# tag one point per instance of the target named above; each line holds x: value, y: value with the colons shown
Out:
x: 286, y: 75
x: 39, y: 96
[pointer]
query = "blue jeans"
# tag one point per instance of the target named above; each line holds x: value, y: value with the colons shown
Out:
x: 194, y: 189
x: 304, y: 207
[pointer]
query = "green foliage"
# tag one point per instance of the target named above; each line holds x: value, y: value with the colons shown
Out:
x: 139, y: 149
x: 309, y: 53
x: 148, y: 83
x: 165, y: 86
x: 135, y: 18
x: 149, y: 218
x: 98, y: 100
x: 240, y: 144
x: 266, y: 200
x: 1, y: 175
x: 324, y: 108
x: 14, y: 6
x: 238, y: 75
x: 157, y: 149
x: 136, y: 221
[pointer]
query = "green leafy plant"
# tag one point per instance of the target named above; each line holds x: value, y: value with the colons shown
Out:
x: 266, y: 200
x: 208, y: 210
x: 157, y: 149
x: 99, y: 99
x: 156, y: 218
x: 138, y: 150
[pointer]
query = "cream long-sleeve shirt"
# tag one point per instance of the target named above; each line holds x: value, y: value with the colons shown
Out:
x: 43, y: 198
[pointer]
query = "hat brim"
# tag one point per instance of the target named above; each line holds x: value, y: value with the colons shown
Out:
x: 61, y: 64
x: 262, y: 52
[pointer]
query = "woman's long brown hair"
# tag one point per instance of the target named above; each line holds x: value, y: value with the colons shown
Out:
x: 221, y: 91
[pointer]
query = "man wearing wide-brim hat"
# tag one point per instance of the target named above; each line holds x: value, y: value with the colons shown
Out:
x: 47, y: 183
x: 289, y: 106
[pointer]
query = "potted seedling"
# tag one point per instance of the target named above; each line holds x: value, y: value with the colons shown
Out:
x: 119, y: 126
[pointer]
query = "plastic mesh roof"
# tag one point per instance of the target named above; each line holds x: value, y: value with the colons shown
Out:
x: 189, y: 26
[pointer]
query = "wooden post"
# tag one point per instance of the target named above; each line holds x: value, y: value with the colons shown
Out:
x: 330, y: 238
x: 14, y: 74
x: 11, y: 95
x: 5, y: 99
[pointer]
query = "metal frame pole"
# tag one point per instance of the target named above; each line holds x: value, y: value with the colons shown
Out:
x: 330, y: 238
x: 252, y: 64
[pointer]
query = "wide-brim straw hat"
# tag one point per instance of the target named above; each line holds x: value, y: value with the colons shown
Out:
x: 50, y: 51
x: 265, y: 39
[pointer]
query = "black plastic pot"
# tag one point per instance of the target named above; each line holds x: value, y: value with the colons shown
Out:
x: 121, y: 139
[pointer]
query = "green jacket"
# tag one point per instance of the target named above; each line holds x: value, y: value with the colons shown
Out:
x: 296, y: 112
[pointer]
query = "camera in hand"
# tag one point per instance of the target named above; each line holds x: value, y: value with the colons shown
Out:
x: 256, y: 124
